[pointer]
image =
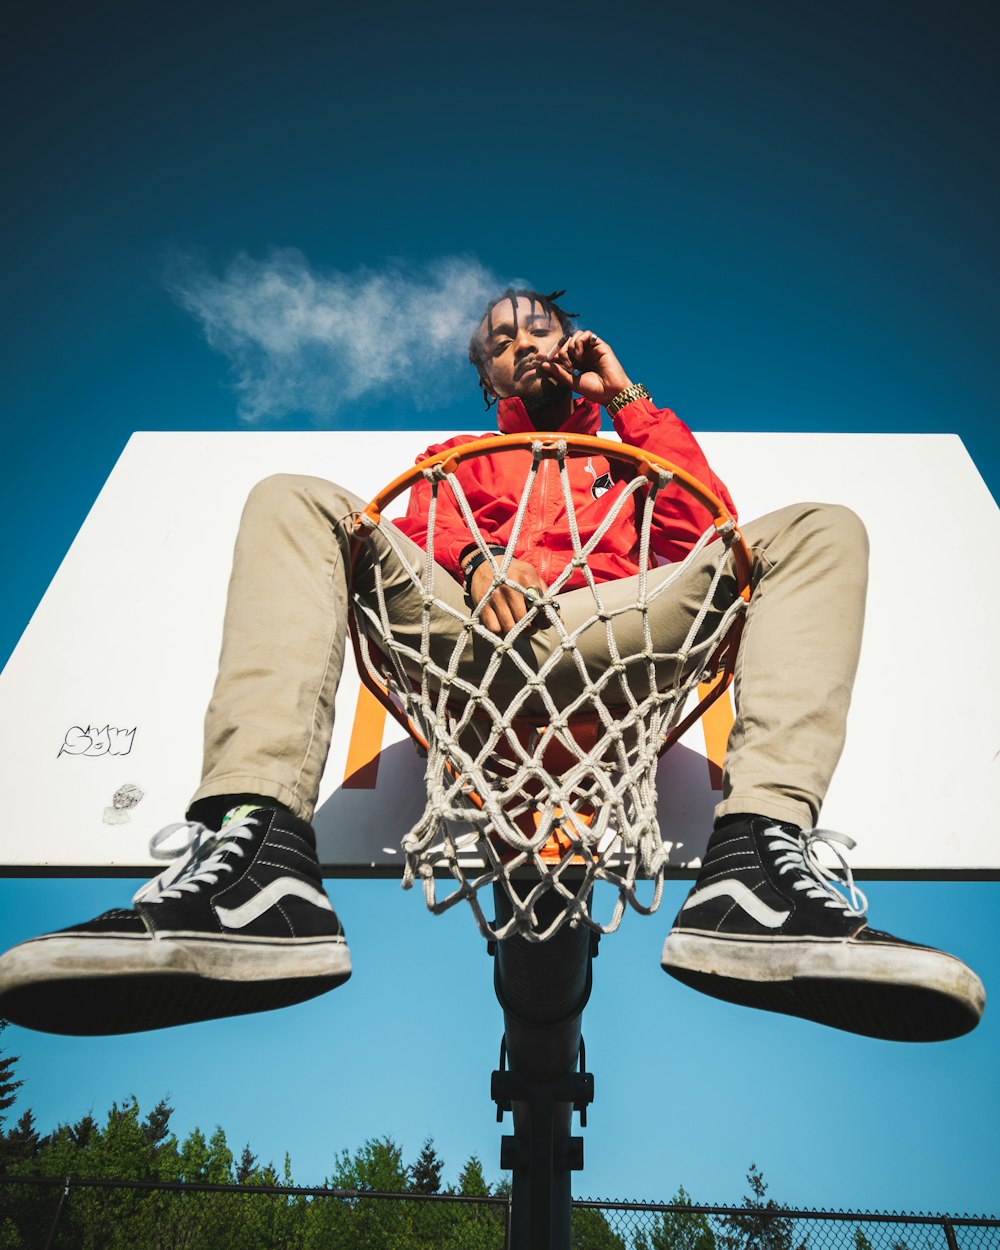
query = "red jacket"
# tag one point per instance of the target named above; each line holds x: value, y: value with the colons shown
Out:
x: 493, y: 485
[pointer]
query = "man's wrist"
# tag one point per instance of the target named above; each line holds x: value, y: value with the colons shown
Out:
x: 634, y: 390
x: 471, y: 562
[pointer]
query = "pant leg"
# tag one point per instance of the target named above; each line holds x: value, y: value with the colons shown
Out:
x: 270, y: 719
x: 797, y: 660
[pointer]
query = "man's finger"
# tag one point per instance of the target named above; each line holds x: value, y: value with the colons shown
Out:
x: 489, y: 619
x: 558, y: 368
x: 502, y: 605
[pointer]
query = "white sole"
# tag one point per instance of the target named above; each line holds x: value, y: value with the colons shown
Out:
x: 98, y: 986
x: 902, y: 993
x: 229, y: 958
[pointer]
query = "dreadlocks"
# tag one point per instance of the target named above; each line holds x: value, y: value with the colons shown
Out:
x: 477, y: 347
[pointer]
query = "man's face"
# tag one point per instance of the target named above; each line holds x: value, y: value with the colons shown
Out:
x: 514, y: 335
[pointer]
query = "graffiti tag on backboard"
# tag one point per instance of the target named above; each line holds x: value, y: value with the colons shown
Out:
x: 93, y: 741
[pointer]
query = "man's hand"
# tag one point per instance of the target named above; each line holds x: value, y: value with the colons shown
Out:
x: 506, y: 605
x: 588, y: 365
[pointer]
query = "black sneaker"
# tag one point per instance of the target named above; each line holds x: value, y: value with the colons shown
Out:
x: 239, y: 923
x: 766, y: 926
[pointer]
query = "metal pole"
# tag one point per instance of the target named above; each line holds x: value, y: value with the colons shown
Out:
x: 55, y: 1219
x: 543, y: 988
x: 949, y: 1233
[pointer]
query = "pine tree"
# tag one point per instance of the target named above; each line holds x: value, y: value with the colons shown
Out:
x: 22, y: 1141
x: 81, y: 1132
x: 761, y: 1229
x: 245, y: 1167
x: 425, y: 1174
x: 475, y: 1227
x: 471, y: 1180
x: 8, y: 1086
x: 156, y: 1125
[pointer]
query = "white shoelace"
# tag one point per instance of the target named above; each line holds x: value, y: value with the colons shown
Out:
x: 819, y: 881
x: 197, y: 861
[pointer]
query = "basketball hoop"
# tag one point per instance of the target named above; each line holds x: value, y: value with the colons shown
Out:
x: 540, y: 771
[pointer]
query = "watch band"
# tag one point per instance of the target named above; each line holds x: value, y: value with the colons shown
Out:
x: 635, y: 391
x: 479, y: 558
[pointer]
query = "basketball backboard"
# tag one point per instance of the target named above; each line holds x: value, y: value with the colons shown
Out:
x: 105, y: 693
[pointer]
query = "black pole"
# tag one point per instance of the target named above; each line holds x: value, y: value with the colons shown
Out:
x: 949, y: 1233
x: 59, y: 1210
x: 543, y: 988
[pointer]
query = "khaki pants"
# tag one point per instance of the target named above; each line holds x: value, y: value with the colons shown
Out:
x: 270, y: 720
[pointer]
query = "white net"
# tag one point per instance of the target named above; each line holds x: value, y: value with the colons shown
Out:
x: 540, y: 762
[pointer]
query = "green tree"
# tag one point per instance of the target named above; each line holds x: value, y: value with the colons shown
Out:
x: 591, y: 1231
x: 22, y: 1141
x: 471, y: 1179
x: 156, y: 1126
x: 291, y: 1215
x: 364, y: 1223
x: 430, y: 1222
x: 8, y: 1094
x: 265, y: 1222
x: 129, y: 1146
x: 31, y: 1208
x: 762, y: 1227
x: 471, y: 1226
x: 378, y: 1164
x: 107, y: 1219
x: 425, y: 1173
x: 82, y: 1131
x: 678, y: 1230
x: 245, y: 1167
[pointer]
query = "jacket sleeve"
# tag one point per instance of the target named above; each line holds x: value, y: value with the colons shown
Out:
x: 679, y: 520
x: 451, y: 535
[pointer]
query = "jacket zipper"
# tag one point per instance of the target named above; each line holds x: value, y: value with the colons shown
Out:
x: 543, y: 509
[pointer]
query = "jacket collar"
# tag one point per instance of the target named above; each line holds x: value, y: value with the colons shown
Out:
x: 512, y: 418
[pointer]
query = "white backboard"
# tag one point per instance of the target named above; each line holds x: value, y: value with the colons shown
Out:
x: 108, y: 685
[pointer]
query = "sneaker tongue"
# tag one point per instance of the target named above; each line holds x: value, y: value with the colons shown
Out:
x: 237, y: 813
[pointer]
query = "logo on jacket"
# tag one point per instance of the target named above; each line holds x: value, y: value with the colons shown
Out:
x: 600, y: 485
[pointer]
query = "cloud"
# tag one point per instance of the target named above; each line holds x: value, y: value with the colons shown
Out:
x: 306, y: 342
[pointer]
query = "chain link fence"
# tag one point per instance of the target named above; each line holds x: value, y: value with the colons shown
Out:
x: 83, y: 1214
x: 673, y: 1226
x: 47, y: 1213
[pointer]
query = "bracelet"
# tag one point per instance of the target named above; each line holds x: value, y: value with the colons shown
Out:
x: 635, y: 391
x: 475, y: 561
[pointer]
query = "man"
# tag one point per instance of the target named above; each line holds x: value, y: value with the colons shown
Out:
x: 239, y: 921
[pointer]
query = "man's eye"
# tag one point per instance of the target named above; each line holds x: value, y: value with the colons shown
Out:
x: 501, y: 346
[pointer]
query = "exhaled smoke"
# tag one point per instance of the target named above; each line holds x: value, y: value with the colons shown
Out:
x: 300, y: 341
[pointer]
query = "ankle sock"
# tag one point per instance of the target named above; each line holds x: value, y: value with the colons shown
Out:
x: 212, y: 811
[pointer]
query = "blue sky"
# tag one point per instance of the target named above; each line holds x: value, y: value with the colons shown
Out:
x: 781, y: 215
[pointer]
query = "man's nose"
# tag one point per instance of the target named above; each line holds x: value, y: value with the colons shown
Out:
x: 524, y: 341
